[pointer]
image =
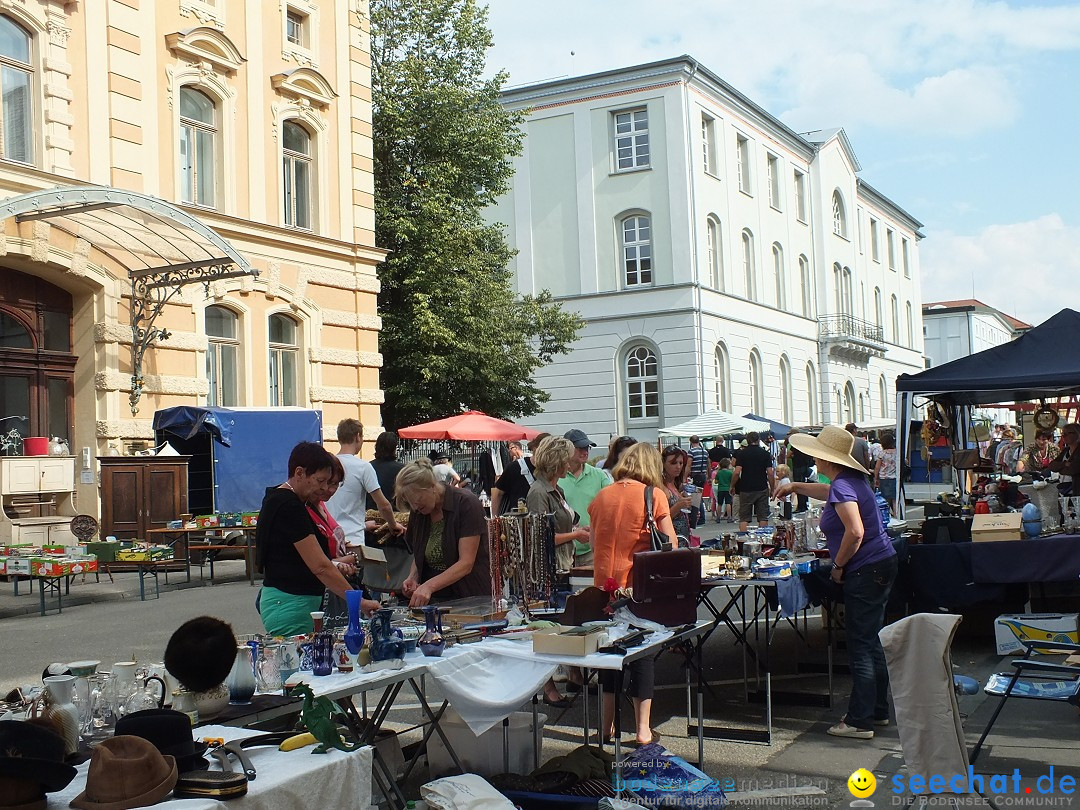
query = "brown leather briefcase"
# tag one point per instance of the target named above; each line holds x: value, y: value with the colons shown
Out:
x: 666, y: 583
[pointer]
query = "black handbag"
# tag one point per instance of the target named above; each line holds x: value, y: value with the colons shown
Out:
x: 666, y: 581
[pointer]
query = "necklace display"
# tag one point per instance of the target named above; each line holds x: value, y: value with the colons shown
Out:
x: 522, y: 553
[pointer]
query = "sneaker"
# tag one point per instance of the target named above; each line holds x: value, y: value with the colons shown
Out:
x: 842, y: 729
x: 881, y: 722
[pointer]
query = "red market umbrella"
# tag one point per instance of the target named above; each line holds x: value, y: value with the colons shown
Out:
x: 469, y: 426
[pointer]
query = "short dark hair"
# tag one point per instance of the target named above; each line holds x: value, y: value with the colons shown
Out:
x: 349, y: 430
x: 337, y: 469
x: 850, y: 427
x: 386, y: 445
x: 535, y: 442
x: 312, y: 457
x: 752, y: 437
x: 888, y: 440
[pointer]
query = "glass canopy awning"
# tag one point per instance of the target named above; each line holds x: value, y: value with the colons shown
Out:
x: 162, y: 247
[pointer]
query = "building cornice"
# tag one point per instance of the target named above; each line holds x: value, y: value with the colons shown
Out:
x: 869, y: 193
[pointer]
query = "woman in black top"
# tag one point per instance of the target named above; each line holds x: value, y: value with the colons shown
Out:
x: 293, y: 555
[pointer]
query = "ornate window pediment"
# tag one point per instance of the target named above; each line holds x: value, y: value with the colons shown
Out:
x: 304, y: 83
x: 206, y: 45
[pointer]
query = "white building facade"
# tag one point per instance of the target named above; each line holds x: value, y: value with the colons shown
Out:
x: 719, y: 259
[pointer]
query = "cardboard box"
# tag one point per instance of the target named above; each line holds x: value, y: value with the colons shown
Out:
x: 50, y: 567
x: 145, y: 554
x: 18, y: 565
x: 567, y: 640
x: 1012, y: 628
x: 230, y: 519
x: 249, y: 519
x: 712, y: 563
x: 206, y: 522
x: 996, y: 527
x: 104, y: 551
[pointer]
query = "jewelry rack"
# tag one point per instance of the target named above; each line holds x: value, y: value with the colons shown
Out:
x: 521, y: 548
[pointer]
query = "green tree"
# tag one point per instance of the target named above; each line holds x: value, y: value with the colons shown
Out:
x: 455, y: 333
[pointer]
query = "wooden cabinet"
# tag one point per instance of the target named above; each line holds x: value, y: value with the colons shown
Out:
x: 36, y: 494
x: 141, y: 492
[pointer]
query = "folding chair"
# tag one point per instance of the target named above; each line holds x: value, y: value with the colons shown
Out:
x: 1033, y: 680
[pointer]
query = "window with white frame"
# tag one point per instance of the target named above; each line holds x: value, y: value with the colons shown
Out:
x: 296, y: 28
x: 636, y: 235
x: 905, y: 257
x: 862, y: 406
x: 850, y: 414
x: 839, y: 217
x: 875, y: 249
x: 631, y: 139
x: 714, y: 257
x: 772, y: 168
x: 800, y: 196
x: 199, y: 147
x: 642, y: 384
x: 845, y: 304
x: 807, y: 283
x: 779, y: 280
x: 708, y: 144
x: 895, y: 306
x: 757, y: 384
x: 223, y: 357
x: 721, y: 366
x: 786, y: 409
x: 742, y: 151
x: 749, y: 266
x: 299, y: 176
x: 284, y: 361
x: 811, y: 394
x: 910, y: 326
x: 879, y: 318
x: 883, y: 394
x: 890, y: 247
x: 17, y: 84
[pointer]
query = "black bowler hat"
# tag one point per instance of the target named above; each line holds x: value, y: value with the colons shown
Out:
x: 170, y: 732
x: 33, y: 754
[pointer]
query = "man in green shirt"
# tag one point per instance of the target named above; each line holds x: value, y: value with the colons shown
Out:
x: 580, y: 486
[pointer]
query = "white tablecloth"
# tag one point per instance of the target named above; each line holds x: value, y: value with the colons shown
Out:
x: 293, y: 779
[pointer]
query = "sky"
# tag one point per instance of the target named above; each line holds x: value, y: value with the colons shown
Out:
x: 963, y: 112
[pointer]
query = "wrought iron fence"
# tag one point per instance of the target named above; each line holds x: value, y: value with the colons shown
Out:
x: 832, y: 326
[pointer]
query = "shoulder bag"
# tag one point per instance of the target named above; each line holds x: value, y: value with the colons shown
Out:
x: 666, y: 581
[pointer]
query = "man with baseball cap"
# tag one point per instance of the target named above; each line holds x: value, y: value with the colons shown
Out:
x: 580, y: 485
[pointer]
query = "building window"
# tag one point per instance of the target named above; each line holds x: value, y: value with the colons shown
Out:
x: 632, y: 139
x: 883, y: 392
x: 298, y: 165
x: 800, y: 196
x: 642, y: 384
x: 757, y: 384
x: 714, y: 258
x: 875, y: 250
x: 721, y: 368
x: 811, y: 394
x: 878, y: 315
x: 637, y: 251
x: 890, y: 247
x: 222, y: 357
x: 296, y: 25
x: 16, y: 82
x: 905, y: 257
x: 708, y: 144
x: 845, y: 304
x: 807, y: 283
x: 849, y: 412
x: 839, y: 218
x: 749, y: 270
x: 772, y: 167
x: 785, y: 391
x: 742, y: 150
x: 910, y: 326
x: 778, y: 276
x: 198, y: 147
x: 895, y: 319
x: 284, y: 361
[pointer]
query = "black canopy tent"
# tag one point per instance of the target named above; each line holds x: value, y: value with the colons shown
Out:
x: 1043, y: 363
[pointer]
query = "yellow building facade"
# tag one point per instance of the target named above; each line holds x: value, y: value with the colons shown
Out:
x: 251, y: 118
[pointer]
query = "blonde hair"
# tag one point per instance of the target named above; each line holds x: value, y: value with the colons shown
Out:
x: 783, y: 471
x: 414, y: 476
x: 641, y: 462
x: 552, y: 455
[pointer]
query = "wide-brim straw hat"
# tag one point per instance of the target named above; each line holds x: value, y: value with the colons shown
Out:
x: 832, y: 444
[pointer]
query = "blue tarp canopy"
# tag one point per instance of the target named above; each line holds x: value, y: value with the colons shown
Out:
x: 249, y: 448
x: 779, y: 429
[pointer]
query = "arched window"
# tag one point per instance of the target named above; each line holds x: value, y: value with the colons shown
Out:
x: 862, y: 406
x: 883, y: 393
x: 807, y: 282
x: 786, y: 409
x: 850, y: 414
x: 298, y: 161
x: 749, y: 270
x: 199, y: 134
x: 910, y: 326
x: 16, y: 81
x: 284, y: 361
x: 757, y: 384
x: 636, y: 237
x: 714, y: 257
x: 839, y: 217
x: 778, y: 275
x: 844, y: 296
x: 721, y: 366
x: 223, y: 357
x: 878, y: 316
x: 811, y: 394
x: 642, y: 384
x: 895, y: 319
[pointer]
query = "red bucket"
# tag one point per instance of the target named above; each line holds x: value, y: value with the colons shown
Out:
x: 36, y: 446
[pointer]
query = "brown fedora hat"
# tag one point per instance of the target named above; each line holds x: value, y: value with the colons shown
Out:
x: 126, y: 772
x: 832, y: 444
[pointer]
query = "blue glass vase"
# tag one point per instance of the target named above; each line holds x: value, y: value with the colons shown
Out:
x: 432, y: 642
x: 354, y: 633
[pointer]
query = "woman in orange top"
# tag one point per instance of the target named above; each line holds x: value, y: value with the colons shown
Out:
x: 619, y: 530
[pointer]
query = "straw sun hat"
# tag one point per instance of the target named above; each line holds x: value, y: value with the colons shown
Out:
x: 832, y: 444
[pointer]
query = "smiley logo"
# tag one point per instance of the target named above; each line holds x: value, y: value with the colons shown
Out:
x: 862, y: 783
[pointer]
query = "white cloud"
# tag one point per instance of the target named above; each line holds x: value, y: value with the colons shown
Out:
x: 1025, y: 269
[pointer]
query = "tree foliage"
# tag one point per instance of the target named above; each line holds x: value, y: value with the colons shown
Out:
x: 455, y: 332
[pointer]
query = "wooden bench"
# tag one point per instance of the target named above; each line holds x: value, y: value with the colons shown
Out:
x: 211, y: 554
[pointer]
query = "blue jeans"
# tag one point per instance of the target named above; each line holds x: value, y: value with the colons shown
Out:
x: 866, y: 591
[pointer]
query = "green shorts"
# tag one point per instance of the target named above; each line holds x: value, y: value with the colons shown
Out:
x: 286, y: 614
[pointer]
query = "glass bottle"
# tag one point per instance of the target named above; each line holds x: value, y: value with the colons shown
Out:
x: 432, y: 642
x: 322, y: 648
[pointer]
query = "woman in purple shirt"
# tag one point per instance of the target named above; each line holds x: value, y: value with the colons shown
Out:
x: 864, y: 564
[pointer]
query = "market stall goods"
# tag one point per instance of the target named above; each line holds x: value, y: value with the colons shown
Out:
x: 200, y: 653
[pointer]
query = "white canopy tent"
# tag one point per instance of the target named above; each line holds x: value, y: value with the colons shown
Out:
x: 715, y: 423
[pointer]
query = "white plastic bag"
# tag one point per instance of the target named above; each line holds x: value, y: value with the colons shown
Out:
x: 465, y: 792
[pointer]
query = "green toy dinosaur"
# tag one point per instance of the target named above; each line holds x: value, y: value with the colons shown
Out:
x: 317, y: 715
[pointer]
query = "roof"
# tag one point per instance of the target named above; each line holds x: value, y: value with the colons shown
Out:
x: 974, y: 303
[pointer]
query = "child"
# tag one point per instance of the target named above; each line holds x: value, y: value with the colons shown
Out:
x: 783, y: 475
x: 707, y: 491
x: 722, y: 487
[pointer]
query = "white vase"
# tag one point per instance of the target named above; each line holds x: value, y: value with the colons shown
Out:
x: 62, y: 712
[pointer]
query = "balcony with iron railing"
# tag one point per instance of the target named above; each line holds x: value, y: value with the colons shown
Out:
x: 851, y: 337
